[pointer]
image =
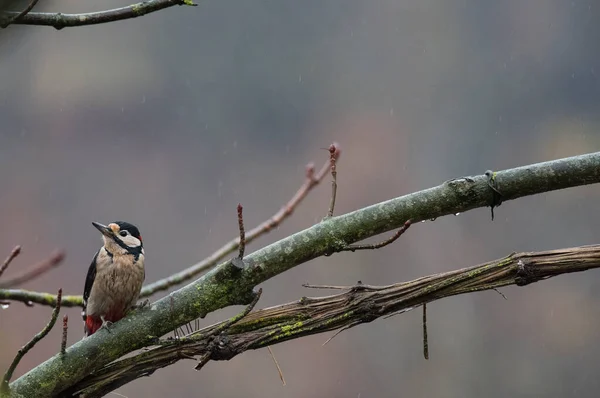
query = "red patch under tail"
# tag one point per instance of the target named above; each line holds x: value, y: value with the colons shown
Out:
x: 92, y: 324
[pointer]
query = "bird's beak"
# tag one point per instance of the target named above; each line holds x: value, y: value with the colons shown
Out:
x: 106, y: 231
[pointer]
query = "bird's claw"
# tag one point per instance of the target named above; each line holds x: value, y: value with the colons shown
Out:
x: 142, y: 305
x: 106, y: 325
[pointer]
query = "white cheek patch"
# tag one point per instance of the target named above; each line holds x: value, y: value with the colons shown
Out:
x: 131, y: 241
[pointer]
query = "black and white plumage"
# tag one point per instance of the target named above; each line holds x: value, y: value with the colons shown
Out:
x: 115, y: 277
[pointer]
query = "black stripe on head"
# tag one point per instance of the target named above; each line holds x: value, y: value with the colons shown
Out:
x: 133, y: 230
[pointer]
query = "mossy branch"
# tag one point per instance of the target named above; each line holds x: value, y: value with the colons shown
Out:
x: 359, y: 304
x: 227, y: 285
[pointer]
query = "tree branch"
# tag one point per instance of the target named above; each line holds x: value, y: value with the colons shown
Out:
x: 19, y: 15
x: 14, y: 253
x: 227, y: 285
x: 53, y: 261
x: 29, y: 298
x: 59, y: 20
x: 359, y: 304
x: 4, y: 388
x: 311, y: 181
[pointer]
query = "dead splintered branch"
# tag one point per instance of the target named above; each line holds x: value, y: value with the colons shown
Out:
x: 59, y: 20
x: 42, y: 267
x: 357, y: 305
x: 25, y: 349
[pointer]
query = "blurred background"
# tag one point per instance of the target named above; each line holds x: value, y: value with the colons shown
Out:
x: 168, y: 121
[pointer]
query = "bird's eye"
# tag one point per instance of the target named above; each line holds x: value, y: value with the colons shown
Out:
x: 123, y: 233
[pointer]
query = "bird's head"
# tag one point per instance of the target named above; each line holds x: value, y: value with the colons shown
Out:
x: 121, y: 237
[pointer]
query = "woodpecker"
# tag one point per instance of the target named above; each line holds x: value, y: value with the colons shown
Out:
x: 115, y: 277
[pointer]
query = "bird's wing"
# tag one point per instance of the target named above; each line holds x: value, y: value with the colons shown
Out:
x: 89, y: 281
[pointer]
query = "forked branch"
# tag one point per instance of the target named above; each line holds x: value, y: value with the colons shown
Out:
x: 312, y: 179
x: 4, y: 387
x: 357, y: 305
x: 228, y: 285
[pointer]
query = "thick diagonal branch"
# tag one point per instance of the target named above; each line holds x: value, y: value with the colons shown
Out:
x: 359, y: 304
x: 226, y: 285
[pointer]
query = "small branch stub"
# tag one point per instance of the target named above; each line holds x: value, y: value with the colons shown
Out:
x: 242, y: 245
x: 333, y: 155
x: 425, y: 339
x: 63, y: 341
x: 496, y: 194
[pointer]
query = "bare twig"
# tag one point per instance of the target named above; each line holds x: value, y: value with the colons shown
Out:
x: 63, y: 341
x: 20, y: 15
x: 232, y: 321
x: 277, y: 365
x: 311, y: 181
x: 333, y: 156
x: 223, y: 327
x: 242, y: 245
x: 60, y: 20
x: 381, y: 244
x: 54, y: 260
x: 25, y: 349
x: 340, y: 331
x: 500, y: 293
x: 425, y: 339
x: 14, y: 253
